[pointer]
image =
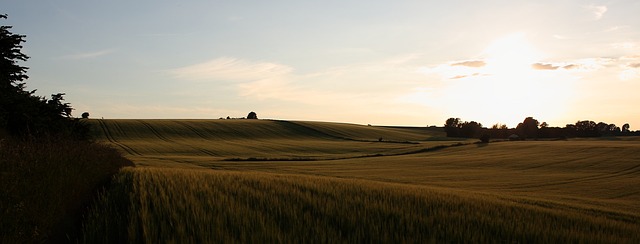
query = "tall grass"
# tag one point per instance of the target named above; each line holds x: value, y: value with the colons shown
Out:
x: 46, y: 185
x: 151, y: 205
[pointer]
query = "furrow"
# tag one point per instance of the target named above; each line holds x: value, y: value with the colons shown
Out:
x: 112, y: 139
x: 155, y: 132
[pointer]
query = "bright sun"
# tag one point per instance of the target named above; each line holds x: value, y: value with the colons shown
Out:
x: 511, y: 54
x: 506, y: 88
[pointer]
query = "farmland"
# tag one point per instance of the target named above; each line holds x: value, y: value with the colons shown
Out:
x: 251, y: 180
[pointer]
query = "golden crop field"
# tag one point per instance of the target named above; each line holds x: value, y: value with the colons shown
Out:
x: 286, y: 181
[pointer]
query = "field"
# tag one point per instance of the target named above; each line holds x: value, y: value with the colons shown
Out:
x: 294, y: 181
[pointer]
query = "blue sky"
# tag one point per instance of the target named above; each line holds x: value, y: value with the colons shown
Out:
x: 367, y: 62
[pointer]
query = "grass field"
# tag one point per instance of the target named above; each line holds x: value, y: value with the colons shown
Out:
x: 279, y: 181
x: 196, y: 142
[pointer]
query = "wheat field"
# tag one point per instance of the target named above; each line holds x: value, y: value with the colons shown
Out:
x: 289, y: 181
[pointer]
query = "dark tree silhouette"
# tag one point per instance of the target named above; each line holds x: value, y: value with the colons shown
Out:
x: 587, y: 128
x: 85, y: 115
x: 252, y: 115
x: 528, y: 128
x: 12, y: 75
x: 485, y: 138
x: 471, y: 129
x: 625, y: 128
x: 499, y: 126
x: 22, y: 112
x: 452, y: 127
x: 605, y: 129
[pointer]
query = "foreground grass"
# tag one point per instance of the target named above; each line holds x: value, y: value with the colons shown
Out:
x: 592, y: 174
x: 153, y: 205
x: 46, y: 185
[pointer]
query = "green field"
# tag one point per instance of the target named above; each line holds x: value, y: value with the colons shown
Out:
x: 289, y: 181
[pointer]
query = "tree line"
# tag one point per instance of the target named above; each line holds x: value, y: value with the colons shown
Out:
x: 531, y: 128
x: 22, y: 113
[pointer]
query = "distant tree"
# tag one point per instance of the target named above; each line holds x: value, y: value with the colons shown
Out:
x: 252, y: 115
x: 499, y: 131
x: 625, y: 128
x: 471, y: 129
x: 616, y: 129
x: 85, y: 115
x: 544, y: 125
x: 528, y: 128
x: 570, y: 130
x: 605, y: 129
x: 586, y: 128
x: 452, y: 127
x: 499, y: 126
x: 485, y: 138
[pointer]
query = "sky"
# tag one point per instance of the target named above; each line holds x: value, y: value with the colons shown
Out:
x: 412, y: 63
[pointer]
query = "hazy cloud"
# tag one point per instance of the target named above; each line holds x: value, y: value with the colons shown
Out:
x: 625, y: 45
x: 464, y: 76
x: 571, y: 66
x: 634, y: 65
x: 231, y: 69
x: 541, y: 66
x: 616, y: 28
x: 597, y: 10
x: 88, y: 55
x: 472, y: 63
x: 560, y: 37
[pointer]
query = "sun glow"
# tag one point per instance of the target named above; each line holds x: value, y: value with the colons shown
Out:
x: 512, y: 54
x: 506, y: 88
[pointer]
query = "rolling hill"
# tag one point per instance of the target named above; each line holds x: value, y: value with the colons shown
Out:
x: 149, y: 142
x: 527, y: 191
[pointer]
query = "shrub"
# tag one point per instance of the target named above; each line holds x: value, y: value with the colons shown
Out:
x: 46, y: 185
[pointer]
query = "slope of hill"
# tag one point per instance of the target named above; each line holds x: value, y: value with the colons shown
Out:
x: 570, y: 191
x: 149, y: 141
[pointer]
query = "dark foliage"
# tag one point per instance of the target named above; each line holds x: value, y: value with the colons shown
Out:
x: 485, y: 138
x: 471, y: 129
x: 530, y: 128
x: 49, y: 172
x: 21, y: 112
x: 46, y: 185
x: 252, y: 115
x: 452, y: 127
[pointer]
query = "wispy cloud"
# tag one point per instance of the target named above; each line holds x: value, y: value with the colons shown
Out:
x: 541, y: 66
x: 455, y: 70
x: 598, y: 11
x: 473, y: 63
x: 634, y: 65
x: 571, y: 66
x: 465, y: 76
x: 89, y: 55
x: 231, y: 69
